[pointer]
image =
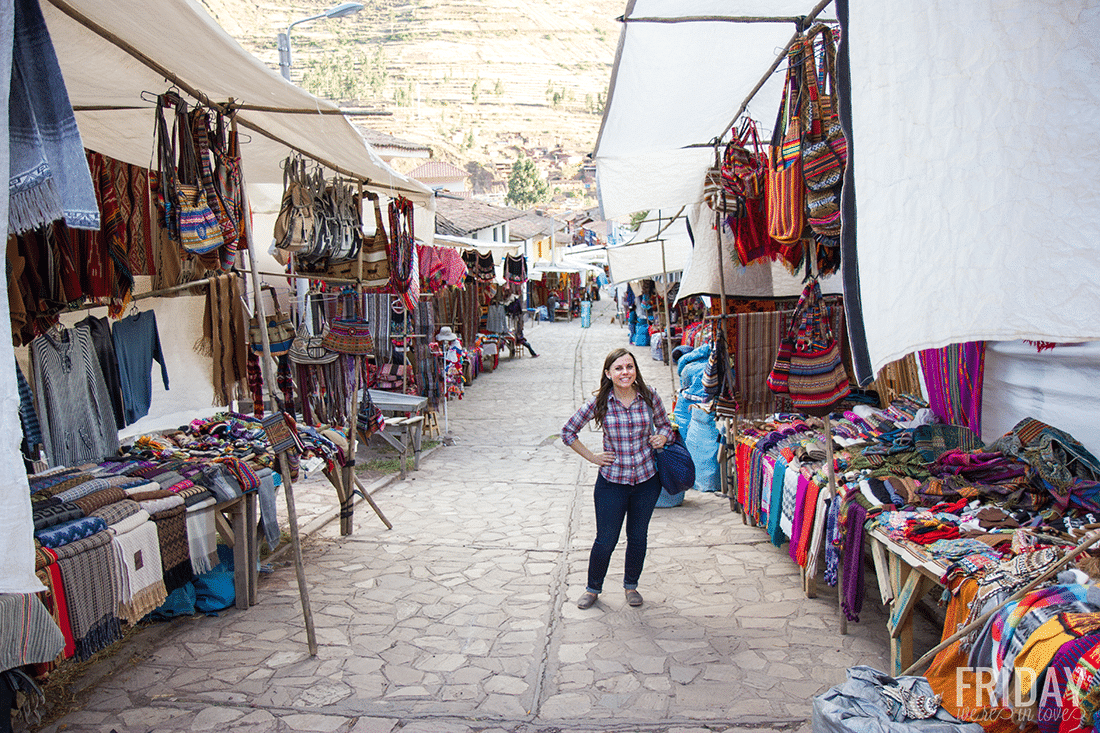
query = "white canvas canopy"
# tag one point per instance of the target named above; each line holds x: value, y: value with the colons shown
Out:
x: 973, y: 160
x: 179, y: 40
x: 110, y: 51
x: 660, y: 245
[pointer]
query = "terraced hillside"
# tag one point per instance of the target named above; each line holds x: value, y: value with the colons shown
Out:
x: 476, y: 79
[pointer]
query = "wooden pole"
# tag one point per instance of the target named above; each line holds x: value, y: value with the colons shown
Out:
x: 375, y: 507
x: 296, y: 543
x: 347, y: 474
x: 288, y: 489
x: 1090, y: 539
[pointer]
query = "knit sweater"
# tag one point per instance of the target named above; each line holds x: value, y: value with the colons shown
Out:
x: 73, y: 406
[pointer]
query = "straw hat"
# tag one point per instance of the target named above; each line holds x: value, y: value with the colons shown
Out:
x: 446, y: 334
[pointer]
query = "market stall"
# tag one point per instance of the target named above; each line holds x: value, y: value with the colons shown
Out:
x: 771, y: 202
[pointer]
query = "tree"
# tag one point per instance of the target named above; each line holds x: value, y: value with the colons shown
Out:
x: 526, y: 187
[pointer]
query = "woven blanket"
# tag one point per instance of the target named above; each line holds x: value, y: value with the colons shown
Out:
x: 54, y: 514
x: 175, y: 551
x: 90, y: 503
x: 90, y: 576
x: 69, y: 532
x: 28, y: 635
x: 181, y: 486
x: 137, y: 550
x: 202, y: 538
x: 81, y: 490
x: 124, y: 482
x: 195, y: 494
x: 1033, y: 610
x: 54, y: 596
x: 58, y: 484
x: 162, y: 504
x: 170, y: 478
x: 150, y: 495
x: 115, y: 513
x: 141, y: 488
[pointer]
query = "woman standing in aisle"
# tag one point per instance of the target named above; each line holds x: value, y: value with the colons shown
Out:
x: 634, y: 422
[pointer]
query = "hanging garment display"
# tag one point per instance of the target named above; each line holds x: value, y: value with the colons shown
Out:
x: 189, y: 217
x: 404, y: 272
x: 48, y: 178
x: 376, y: 263
x: 515, y: 268
x: 137, y: 344
x: 73, y: 406
x: 294, y: 224
x: 809, y: 366
x: 225, y: 338
x: 100, y: 331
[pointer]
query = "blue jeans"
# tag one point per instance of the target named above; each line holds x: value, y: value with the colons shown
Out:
x: 615, y: 502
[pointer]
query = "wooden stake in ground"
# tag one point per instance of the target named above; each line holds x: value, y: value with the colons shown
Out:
x: 295, y: 541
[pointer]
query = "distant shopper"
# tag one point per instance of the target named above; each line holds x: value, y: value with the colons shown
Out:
x: 634, y: 423
x: 551, y: 306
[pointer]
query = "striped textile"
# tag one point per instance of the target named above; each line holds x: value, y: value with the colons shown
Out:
x: 73, y: 405
x: 953, y: 376
x: 115, y: 513
x: 84, y: 567
x: 758, y: 336
x: 28, y: 634
x: 90, y: 503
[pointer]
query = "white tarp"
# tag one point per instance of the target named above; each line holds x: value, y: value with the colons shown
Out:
x: 676, y: 85
x: 973, y: 154
x: 657, y: 247
x: 759, y: 280
x: 181, y: 37
x: 1056, y: 386
x: 976, y: 172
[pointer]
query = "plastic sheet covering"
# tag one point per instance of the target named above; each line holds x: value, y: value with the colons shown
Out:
x: 702, y: 443
x: 858, y: 706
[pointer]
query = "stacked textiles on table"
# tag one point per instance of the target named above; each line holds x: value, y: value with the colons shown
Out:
x: 997, y: 517
x: 113, y: 539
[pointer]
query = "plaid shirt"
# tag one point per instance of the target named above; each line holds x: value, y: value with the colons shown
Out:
x: 626, y: 432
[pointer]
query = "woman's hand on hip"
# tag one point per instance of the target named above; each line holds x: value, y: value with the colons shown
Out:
x: 603, y: 459
x: 657, y: 440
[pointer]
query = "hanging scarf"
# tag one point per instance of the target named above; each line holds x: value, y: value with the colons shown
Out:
x: 48, y: 178
x: 137, y: 551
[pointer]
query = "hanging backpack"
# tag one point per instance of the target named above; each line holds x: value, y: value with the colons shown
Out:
x: 294, y: 225
x: 824, y: 147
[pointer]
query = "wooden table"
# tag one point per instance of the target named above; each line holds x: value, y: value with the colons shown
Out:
x: 237, y: 521
x: 905, y: 574
x: 404, y: 428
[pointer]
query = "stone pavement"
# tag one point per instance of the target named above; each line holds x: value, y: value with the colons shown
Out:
x: 462, y: 618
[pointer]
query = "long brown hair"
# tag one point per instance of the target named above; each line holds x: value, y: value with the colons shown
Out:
x: 604, y: 391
